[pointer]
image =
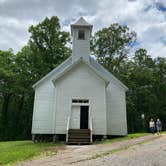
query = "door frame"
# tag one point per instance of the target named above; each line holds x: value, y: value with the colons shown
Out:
x: 81, y: 104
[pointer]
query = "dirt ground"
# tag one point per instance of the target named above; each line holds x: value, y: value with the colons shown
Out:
x: 144, y: 151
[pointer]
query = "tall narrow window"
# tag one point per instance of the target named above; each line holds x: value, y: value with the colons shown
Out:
x: 81, y: 35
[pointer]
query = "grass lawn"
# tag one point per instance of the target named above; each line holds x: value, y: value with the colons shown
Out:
x: 14, y: 151
x: 128, y: 137
x: 163, y: 132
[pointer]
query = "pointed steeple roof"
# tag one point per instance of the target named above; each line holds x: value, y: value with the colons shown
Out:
x: 81, y: 22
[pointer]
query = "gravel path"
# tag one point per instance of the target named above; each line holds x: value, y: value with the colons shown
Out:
x: 135, y: 152
x: 152, y: 153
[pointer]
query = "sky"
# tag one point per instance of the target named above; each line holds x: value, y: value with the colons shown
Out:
x: 146, y: 17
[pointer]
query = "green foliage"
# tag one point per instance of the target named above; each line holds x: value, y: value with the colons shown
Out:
x: 146, y: 90
x: 142, y: 59
x: 8, y: 85
x: 14, y: 151
x: 111, y: 45
x: 48, y: 44
x: 128, y: 137
x: 47, y: 48
x: 7, y: 75
x: 144, y: 76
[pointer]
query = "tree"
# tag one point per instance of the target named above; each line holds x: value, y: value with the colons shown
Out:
x: 142, y: 59
x: 159, y: 88
x: 48, y: 45
x: 7, y: 85
x: 47, y: 48
x: 111, y: 45
x: 140, y: 98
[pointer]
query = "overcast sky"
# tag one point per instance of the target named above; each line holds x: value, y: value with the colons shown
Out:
x: 146, y: 17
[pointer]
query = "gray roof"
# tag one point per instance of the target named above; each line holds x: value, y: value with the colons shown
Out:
x: 55, y: 71
x: 79, y: 61
x: 105, y: 72
x: 81, y: 22
x: 68, y: 64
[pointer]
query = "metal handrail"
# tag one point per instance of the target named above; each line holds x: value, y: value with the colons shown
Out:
x: 67, y: 129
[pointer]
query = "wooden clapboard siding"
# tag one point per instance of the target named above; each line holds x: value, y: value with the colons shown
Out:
x: 43, y: 114
x: 116, y: 110
x: 81, y: 82
x: 81, y: 48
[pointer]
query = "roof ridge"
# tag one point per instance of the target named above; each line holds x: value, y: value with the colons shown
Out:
x: 80, y: 60
x: 81, y: 22
x: 109, y: 73
x: 93, y: 63
x: 52, y: 71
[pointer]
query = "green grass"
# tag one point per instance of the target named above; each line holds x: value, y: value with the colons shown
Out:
x: 14, y: 151
x: 128, y: 137
x: 163, y: 132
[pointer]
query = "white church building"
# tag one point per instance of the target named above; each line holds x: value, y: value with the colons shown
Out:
x: 80, y: 98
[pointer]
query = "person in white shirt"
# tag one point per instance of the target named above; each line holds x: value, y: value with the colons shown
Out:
x: 152, y: 126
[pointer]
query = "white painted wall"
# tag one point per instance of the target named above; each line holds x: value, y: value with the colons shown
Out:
x: 81, y: 48
x: 43, y: 114
x: 50, y: 118
x: 116, y: 110
x: 44, y: 111
x: 81, y: 82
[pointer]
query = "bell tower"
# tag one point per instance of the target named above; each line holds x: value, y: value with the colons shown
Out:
x: 81, y: 32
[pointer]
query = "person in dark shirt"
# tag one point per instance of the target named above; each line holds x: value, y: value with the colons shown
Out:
x: 158, y: 126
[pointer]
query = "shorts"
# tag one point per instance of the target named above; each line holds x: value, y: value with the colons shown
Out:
x: 158, y: 128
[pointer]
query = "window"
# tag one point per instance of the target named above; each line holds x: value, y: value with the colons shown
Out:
x: 81, y: 35
x: 80, y: 101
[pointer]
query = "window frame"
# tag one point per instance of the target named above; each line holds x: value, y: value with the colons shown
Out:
x: 80, y: 100
x: 81, y: 34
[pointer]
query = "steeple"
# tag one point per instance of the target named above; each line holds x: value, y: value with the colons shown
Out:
x: 81, y: 32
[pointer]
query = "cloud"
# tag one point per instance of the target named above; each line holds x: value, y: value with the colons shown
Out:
x: 146, y: 17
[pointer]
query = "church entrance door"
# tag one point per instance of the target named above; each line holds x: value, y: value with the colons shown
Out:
x: 84, y: 117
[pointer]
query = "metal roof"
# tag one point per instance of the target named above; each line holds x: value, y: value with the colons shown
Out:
x: 55, y: 71
x: 79, y: 61
x: 68, y: 64
x: 81, y: 22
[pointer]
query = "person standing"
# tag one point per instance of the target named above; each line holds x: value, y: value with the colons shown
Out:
x: 158, y: 126
x: 152, y: 126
